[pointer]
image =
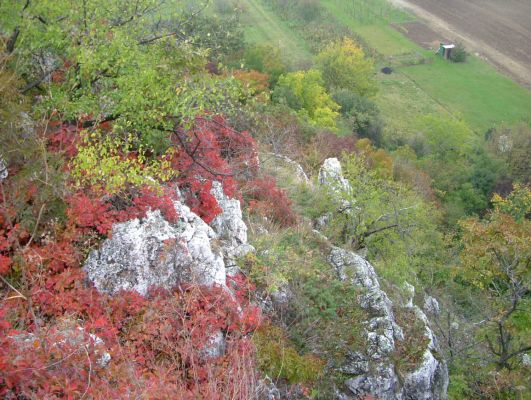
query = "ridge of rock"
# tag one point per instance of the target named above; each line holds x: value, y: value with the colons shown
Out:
x: 374, y: 372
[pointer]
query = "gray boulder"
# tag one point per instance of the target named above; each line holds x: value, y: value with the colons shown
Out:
x: 431, y: 305
x: 75, y: 337
x: 331, y: 178
x: 331, y: 174
x: 230, y: 228
x: 373, y: 371
x: 154, y: 252
x: 429, y: 381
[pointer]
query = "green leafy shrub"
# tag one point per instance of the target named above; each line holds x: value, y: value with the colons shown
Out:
x: 304, y: 92
x: 109, y: 164
x: 265, y: 59
x: 344, y: 66
x: 322, y: 314
x: 362, y: 114
x: 458, y: 54
x: 278, y: 359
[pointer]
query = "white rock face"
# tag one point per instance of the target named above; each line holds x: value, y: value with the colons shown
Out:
x: 215, y: 346
x: 331, y: 175
x: 230, y: 228
x: 229, y: 224
x: 151, y: 251
x: 429, y: 381
x: 431, y: 305
x: 410, y: 292
x: 373, y: 370
x: 154, y: 252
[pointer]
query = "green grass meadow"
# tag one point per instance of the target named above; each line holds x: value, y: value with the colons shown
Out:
x: 473, y: 90
x: 372, y: 22
x: 483, y: 96
x: 262, y: 26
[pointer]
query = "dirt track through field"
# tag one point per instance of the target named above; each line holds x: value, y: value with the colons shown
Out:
x: 500, y: 31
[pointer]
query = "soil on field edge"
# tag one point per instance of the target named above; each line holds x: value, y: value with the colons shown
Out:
x: 505, y: 63
x: 421, y: 34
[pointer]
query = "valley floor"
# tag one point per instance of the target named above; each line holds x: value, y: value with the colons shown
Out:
x: 499, y: 31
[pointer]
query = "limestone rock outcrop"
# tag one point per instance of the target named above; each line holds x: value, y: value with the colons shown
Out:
x: 151, y: 251
x: 373, y: 371
x: 331, y: 175
x: 230, y: 228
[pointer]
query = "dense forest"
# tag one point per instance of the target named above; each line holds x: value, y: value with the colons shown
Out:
x: 144, y: 124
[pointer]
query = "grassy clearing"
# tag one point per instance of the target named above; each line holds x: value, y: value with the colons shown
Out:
x: 371, y: 22
x: 262, y: 26
x: 483, y: 96
x: 474, y: 90
x: 402, y: 101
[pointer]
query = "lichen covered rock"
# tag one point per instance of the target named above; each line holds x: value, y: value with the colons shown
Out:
x: 373, y: 370
x: 151, y: 251
x: 3, y: 169
x: 74, y: 338
x: 230, y: 227
x: 331, y: 174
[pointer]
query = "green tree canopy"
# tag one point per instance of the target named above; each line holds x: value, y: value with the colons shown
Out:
x: 344, y: 66
x: 496, y: 260
x: 304, y: 92
x: 120, y: 61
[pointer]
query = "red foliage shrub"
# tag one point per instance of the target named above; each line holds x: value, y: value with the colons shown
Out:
x: 64, y: 138
x: 267, y: 200
x: 211, y: 150
x: 161, y: 345
x: 5, y: 264
x: 332, y: 145
x: 87, y: 211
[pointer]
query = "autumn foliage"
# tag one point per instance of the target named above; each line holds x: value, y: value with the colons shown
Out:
x: 267, y: 200
x: 54, y: 328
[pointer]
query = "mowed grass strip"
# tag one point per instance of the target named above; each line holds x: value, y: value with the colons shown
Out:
x: 483, y: 96
x: 402, y: 102
x: 262, y: 26
x: 376, y: 30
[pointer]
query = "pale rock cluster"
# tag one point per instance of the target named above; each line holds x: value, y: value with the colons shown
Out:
x: 152, y: 251
x: 75, y: 337
x: 373, y: 371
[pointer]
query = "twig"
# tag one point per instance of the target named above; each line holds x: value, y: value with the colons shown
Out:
x: 36, y: 225
x: 89, y: 375
x: 13, y: 288
x: 176, y: 31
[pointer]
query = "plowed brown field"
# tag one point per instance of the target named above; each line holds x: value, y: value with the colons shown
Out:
x: 499, y: 30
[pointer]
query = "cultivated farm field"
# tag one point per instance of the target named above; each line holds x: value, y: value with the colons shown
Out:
x: 499, y: 30
x: 422, y: 82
